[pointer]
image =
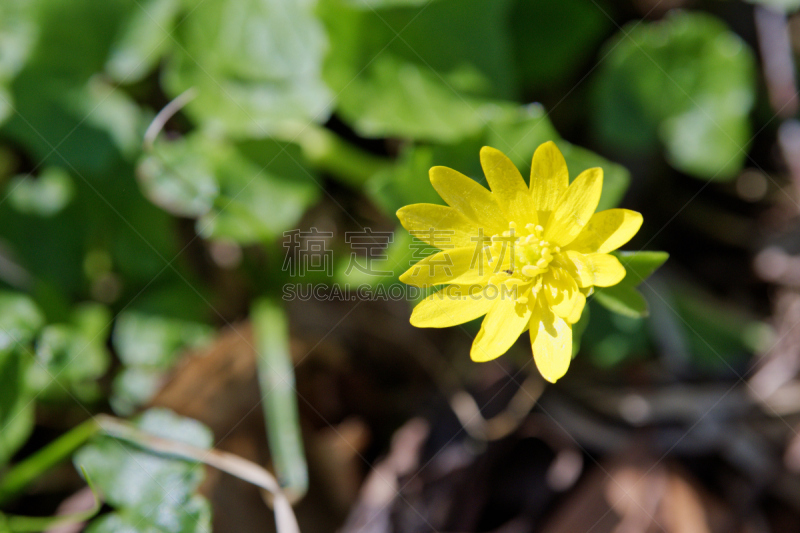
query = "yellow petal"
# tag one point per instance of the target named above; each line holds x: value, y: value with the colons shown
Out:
x: 463, y: 266
x: 453, y: 305
x: 439, y: 225
x: 551, y: 340
x: 576, y: 264
x: 503, y: 325
x: 507, y: 186
x: 607, y: 231
x: 560, y: 290
x: 549, y: 178
x: 575, y: 208
x: 606, y: 268
x: 575, y: 314
x: 469, y: 197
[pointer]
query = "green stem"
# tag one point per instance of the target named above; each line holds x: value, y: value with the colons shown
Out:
x: 43, y: 460
x: 344, y: 161
x: 276, y: 380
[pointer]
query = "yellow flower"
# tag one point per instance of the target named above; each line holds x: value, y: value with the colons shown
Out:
x: 524, y: 256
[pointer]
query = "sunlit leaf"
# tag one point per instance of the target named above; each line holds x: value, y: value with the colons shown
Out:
x: 143, y: 40
x: 44, y: 195
x: 18, y: 34
x: 256, y: 66
x: 153, y: 341
x: 20, y: 320
x: 133, y: 387
x: 686, y: 82
x: 260, y: 197
x: 378, y: 4
x: 399, y: 99
x: 70, y: 357
x: 623, y: 299
x: 17, y: 37
x: 179, y: 176
x: 193, y: 516
x: 431, y: 72
x: 145, y: 484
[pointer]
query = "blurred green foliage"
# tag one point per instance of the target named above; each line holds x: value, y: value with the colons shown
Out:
x: 149, y: 492
x: 686, y: 82
x: 107, y: 246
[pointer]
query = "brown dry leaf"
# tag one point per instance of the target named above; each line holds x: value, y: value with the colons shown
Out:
x: 337, y: 453
x: 637, y: 493
x: 217, y: 385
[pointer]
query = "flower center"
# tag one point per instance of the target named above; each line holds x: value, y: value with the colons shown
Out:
x: 524, y: 255
x: 527, y: 252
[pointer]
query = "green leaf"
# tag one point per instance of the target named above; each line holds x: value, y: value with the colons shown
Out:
x: 143, y: 40
x: 686, y: 82
x: 436, y: 72
x: 17, y: 36
x: 193, y: 516
x: 74, y: 36
x: 69, y: 355
x: 148, y: 345
x: 553, y: 40
x: 112, y: 111
x: 517, y: 132
x: 73, y: 116
x: 43, y: 196
x: 640, y: 265
x: 465, y: 42
x: 59, y: 103
x: 623, y: 298
x: 138, y: 482
x: 16, y: 403
x: 405, y: 183
x: 92, y: 320
x: 612, y: 337
x: 145, y: 340
x: 255, y: 204
x: 716, y: 334
x: 401, y: 99
x: 72, y: 356
x: 6, y: 104
x: 179, y: 176
x: 248, y: 193
x: 380, y: 4
x: 20, y: 320
x: 133, y: 387
x: 578, y: 329
x: 256, y: 65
